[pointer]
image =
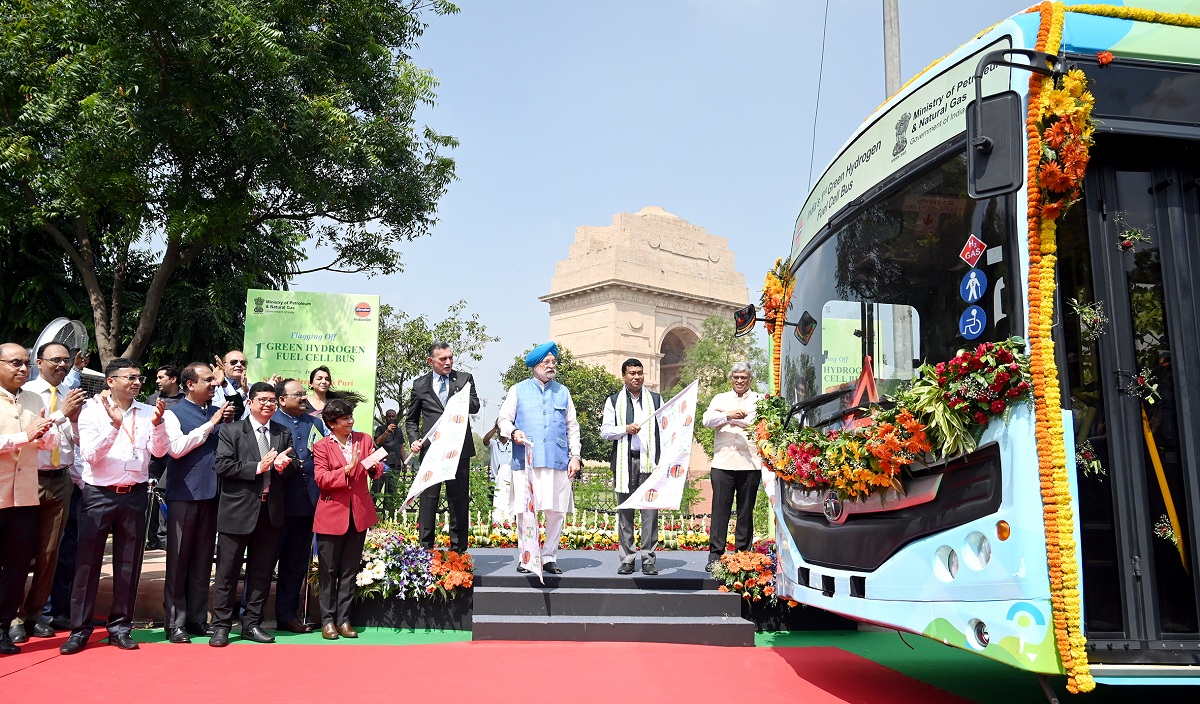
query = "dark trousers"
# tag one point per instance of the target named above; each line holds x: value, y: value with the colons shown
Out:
x: 102, y: 512
x: 18, y: 527
x: 725, y: 485
x: 156, y: 529
x: 59, y: 605
x: 191, y: 536
x: 54, y: 497
x: 338, y: 560
x: 258, y: 549
x: 295, y: 556
x: 458, y: 497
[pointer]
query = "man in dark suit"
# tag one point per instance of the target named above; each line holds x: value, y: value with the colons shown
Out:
x: 429, y: 395
x: 252, y: 456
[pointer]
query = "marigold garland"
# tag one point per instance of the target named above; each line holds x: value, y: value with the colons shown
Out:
x: 1059, y: 129
x: 776, y: 295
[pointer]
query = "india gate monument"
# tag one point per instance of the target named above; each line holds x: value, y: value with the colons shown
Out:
x: 641, y: 287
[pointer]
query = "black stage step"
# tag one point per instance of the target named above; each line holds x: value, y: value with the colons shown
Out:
x: 591, y: 602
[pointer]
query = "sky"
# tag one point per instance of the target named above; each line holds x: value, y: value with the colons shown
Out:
x: 570, y: 112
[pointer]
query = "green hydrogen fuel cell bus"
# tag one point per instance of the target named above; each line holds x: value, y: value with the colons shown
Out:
x: 918, y: 241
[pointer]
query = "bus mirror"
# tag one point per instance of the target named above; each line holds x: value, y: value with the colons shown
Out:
x: 996, y: 152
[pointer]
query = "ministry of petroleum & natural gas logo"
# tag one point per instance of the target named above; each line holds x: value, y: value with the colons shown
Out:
x: 258, y: 304
x: 901, y: 134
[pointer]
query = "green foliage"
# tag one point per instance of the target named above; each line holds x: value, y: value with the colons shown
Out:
x: 709, y: 361
x: 589, y: 384
x: 139, y: 137
x: 404, y: 346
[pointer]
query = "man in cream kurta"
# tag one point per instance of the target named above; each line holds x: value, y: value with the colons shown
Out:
x: 24, y: 430
x: 736, y: 468
x: 539, y: 416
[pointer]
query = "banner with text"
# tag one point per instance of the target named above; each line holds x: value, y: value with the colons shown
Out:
x: 291, y: 333
x: 676, y: 430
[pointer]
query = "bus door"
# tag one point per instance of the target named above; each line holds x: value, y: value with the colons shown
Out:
x: 1129, y: 344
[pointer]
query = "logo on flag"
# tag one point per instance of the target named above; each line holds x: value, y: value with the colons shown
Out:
x: 458, y: 418
x: 664, y: 487
x: 440, y: 461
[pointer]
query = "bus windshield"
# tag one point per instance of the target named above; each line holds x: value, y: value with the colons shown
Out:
x: 911, y: 277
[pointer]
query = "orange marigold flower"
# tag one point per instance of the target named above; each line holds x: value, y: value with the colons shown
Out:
x: 1051, y: 211
x: 1104, y: 57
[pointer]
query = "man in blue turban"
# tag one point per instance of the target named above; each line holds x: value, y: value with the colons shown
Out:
x: 538, y: 415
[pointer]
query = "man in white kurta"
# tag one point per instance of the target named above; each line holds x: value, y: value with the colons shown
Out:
x: 539, y: 417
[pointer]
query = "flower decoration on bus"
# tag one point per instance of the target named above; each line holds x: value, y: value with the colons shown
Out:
x: 1164, y: 530
x: 1144, y: 385
x: 1065, y: 125
x: 1104, y: 58
x: 776, y: 295
x: 1092, y: 318
x: 942, y: 412
x: 1087, y: 462
x: 1129, y: 236
x: 750, y: 574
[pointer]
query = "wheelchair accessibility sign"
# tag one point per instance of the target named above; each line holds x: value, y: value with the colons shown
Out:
x: 972, y: 322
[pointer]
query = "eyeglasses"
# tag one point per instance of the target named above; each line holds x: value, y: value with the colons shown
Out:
x: 264, y: 401
x: 130, y: 378
x: 59, y: 361
x: 17, y: 363
x: 236, y: 362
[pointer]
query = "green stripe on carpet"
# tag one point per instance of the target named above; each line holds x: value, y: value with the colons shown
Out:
x: 366, y: 636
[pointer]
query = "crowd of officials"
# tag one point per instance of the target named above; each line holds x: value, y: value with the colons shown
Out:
x: 263, y: 473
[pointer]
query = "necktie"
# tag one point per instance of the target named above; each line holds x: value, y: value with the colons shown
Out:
x: 264, y: 446
x: 442, y: 389
x: 54, y: 458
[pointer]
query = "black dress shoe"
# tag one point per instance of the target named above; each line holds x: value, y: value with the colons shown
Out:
x: 198, y: 629
x: 625, y: 568
x: 648, y: 568
x: 220, y: 637
x: 709, y: 566
x: 178, y: 635
x: 257, y: 634
x: 521, y: 569
x: 60, y: 623
x: 551, y: 568
x: 123, y: 641
x: 74, y: 644
x: 7, y: 647
x: 16, y: 633
x: 41, y: 629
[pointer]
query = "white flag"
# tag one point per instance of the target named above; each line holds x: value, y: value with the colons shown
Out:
x: 445, y: 445
x: 676, y: 430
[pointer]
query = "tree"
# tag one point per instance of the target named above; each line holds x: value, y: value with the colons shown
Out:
x: 152, y: 134
x: 404, y: 345
x: 589, y: 384
x: 709, y: 361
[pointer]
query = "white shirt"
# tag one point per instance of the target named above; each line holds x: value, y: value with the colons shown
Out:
x: 508, y: 417
x: 68, y: 432
x: 612, y: 431
x: 181, y: 443
x: 732, y: 449
x: 120, y: 455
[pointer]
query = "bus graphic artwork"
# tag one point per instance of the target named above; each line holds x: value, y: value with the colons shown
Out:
x: 1002, y: 548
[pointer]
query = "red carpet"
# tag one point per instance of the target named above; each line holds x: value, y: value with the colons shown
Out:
x: 492, y: 671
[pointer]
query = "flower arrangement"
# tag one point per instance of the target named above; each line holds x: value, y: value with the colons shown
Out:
x: 945, y: 408
x: 1087, y: 462
x: 749, y: 574
x: 776, y: 295
x: 1129, y: 236
x: 1091, y: 318
x: 393, y: 567
x: 1164, y: 530
x: 1144, y: 385
x: 453, y: 572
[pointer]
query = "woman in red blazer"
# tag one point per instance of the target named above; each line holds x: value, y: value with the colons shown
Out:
x: 344, y: 513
